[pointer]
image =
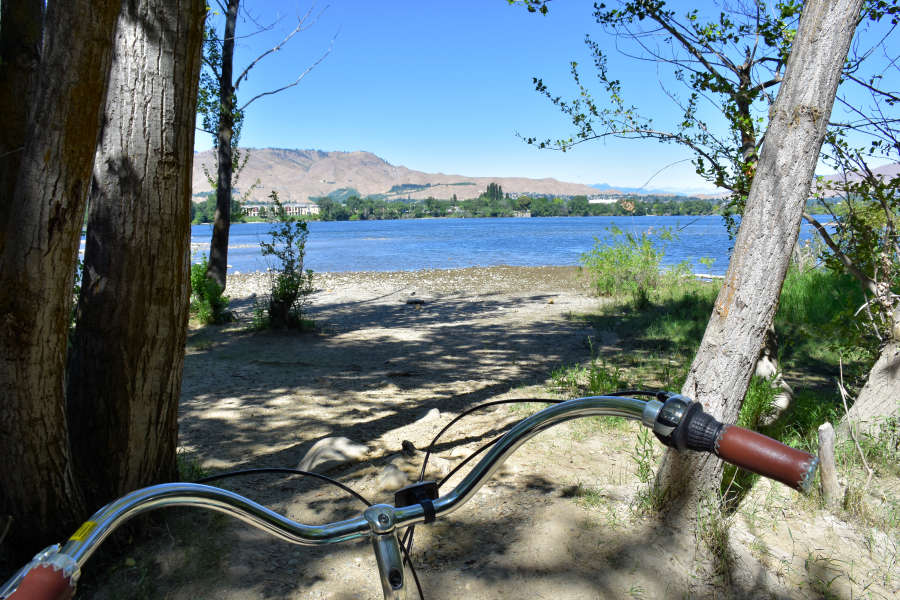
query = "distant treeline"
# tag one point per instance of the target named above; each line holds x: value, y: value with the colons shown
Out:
x: 494, y: 203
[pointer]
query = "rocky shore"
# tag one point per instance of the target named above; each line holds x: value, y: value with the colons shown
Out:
x: 429, y: 282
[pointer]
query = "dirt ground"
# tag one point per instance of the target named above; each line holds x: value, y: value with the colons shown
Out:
x: 561, y: 520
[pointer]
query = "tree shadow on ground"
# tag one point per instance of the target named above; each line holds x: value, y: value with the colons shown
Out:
x: 262, y: 399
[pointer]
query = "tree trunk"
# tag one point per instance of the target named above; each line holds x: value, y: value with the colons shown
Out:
x: 217, y: 268
x: 127, y: 353
x: 721, y: 371
x: 878, y: 400
x: 20, y: 43
x: 37, y: 268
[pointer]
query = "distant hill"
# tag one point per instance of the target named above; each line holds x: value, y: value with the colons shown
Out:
x: 300, y: 174
x: 693, y: 192
x: 884, y: 171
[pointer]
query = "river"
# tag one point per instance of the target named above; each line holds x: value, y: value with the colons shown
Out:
x: 415, y: 244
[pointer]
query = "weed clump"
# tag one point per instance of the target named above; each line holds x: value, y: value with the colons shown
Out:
x: 290, y: 284
x: 630, y: 266
x: 208, y: 304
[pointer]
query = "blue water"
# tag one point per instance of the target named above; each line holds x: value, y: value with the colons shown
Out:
x: 415, y: 244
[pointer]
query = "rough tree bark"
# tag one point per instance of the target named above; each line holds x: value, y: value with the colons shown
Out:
x: 127, y: 353
x: 723, y: 366
x: 37, y: 267
x: 217, y: 267
x: 20, y: 44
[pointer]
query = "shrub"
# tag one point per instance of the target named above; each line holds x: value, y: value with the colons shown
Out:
x: 628, y: 266
x: 291, y: 285
x: 208, y: 304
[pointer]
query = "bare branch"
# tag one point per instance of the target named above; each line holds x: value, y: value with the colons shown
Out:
x: 295, y: 82
x: 300, y: 27
x: 766, y: 84
x: 652, y: 177
x: 893, y: 97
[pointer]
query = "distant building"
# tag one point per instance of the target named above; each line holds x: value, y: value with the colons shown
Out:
x: 603, y: 199
x: 298, y: 210
x: 294, y: 209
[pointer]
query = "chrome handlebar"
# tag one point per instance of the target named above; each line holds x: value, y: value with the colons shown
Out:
x: 83, y: 544
x: 378, y: 522
x: 679, y: 423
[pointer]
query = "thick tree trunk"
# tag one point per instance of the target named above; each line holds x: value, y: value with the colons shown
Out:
x: 218, y: 248
x: 38, y: 265
x: 20, y: 44
x: 128, y: 349
x: 721, y: 371
x: 879, y: 399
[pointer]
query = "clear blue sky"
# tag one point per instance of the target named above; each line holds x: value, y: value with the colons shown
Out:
x: 445, y: 87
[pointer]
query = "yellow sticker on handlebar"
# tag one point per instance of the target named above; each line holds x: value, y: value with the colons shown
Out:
x: 83, y: 532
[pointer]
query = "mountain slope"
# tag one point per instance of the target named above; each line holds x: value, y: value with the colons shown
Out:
x: 300, y: 174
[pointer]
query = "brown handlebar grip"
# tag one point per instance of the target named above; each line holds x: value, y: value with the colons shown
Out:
x: 44, y: 583
x: 767, y: 457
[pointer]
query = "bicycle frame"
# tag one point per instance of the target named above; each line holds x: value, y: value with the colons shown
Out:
x: 382, y: 521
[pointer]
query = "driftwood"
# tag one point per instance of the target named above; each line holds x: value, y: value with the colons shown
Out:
x: 831, y: 490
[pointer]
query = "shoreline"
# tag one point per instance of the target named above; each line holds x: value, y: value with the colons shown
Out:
x: 500, y: 279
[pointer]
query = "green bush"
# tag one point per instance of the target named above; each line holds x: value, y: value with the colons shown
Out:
x: 629, y: 266
x: 208, y: 304
x: 291, y: 285
x: 818, y: 326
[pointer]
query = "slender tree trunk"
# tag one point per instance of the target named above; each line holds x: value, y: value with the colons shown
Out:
x: 218, y: 248
x: 37, y: 268
x: 878, y: 400
x: 128, y: 349
x: 20, y: 46
x: 721, y: 371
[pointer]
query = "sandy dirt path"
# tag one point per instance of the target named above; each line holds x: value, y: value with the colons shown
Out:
x: 560, y: 521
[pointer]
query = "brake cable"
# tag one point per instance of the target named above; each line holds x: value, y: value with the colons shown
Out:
x: 407, y: 539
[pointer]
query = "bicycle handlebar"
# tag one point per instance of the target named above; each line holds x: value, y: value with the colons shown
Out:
x: 770, y: 458
x: 49, y: 576
x: 683, y: 425
x: 679, y: 423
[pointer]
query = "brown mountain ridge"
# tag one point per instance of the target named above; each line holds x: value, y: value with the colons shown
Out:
x: 298, y: 175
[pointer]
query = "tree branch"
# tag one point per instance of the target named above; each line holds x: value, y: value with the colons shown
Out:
x: 276, y: 48
x: 765, y: 84
x: 295, y: 82
x: 664, y: 136
x: 892, y: 97
x: 693, y: 50
x: 865, y: 281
